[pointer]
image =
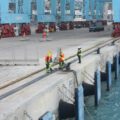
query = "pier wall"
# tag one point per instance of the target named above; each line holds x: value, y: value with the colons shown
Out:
x: 43, y: 96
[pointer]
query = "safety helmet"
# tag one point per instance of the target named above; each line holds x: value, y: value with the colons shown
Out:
x: 61, y: 51
x: 50, y: 51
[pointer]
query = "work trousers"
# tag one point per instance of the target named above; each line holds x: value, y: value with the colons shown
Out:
x: 79, y: 58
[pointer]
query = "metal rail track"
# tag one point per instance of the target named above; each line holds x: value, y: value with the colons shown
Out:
x: 92, y: 49
x: 41, y: 70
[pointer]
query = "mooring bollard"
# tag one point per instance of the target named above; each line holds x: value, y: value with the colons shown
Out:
x: 47, y: 116
x: 108, y: 72
x: 98, y: 51
x: 97, y: 87
x: 116, y: 66
x: 79, y: 103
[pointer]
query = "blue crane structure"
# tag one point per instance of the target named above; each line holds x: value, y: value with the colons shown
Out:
x: 14, y: 13
x: 94, y: 10
x: 67, y: 14
x: 94, y: 5
x: 79, y: 5
x: 46, y: 16
x: 116, y: 17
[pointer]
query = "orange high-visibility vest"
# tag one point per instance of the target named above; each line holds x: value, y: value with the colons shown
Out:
x: 50, y: 29
x: 51, y: 56
x: 44, y: 35
x: 61, y: 59
x: 47, y: 59
x: 62, y: 55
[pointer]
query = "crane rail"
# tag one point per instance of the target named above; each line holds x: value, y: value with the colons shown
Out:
x: 93, y: 49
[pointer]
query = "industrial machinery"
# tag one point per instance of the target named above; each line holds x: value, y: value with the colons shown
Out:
x: 100, y: 10
x: 94, y: 11
x: 14, y: 17
x: 67, y: 14
x: 79, y: 20
x: 89, y: 6
x: 46, y: 14
x: 78, y: 6
x: 116, y: 9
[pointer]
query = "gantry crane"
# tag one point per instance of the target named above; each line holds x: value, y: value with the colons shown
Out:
x: 67, y: 14
x: 94, y: 10
x: 14, y: 17
x: 116, y: 10
x: 46, y: 16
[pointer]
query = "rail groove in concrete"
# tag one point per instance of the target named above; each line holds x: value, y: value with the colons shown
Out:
x: 38, y: 71
x: 93, y: 49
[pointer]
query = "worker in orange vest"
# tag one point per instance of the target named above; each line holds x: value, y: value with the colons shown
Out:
x: 61, y: 61
x: 50, y: 29
x: 50, y: 55
x: 61, y: 53
x: 44, y: 35
x: 45, y: 32
x: 47, y: 62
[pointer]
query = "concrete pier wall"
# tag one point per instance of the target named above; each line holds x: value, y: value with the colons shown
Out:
x: 43, y: 96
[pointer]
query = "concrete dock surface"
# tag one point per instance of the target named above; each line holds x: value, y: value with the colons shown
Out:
x: 44, y: 95
x: 32, y: 49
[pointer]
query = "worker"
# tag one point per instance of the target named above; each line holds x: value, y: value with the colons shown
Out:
x: 45, y: 32
x: 61, y: 53
x: 50, y: 55
x: 61, y: 62
x: 50, y: 29
x: 44, y: 35
x: 47, y: 62
x: 79, y: 54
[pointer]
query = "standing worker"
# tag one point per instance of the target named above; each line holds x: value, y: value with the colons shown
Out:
x: 50, y: 29
x: 79, y: 54
x: 61, y: 53
x: 61, y: 62
x: 50, y: 55
x: 45, y: 33
x: 47, y: 62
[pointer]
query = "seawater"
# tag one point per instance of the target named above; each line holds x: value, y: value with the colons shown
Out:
x: 109, y: 107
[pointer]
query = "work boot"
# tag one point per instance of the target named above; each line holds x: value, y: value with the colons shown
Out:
x: 47, y: 71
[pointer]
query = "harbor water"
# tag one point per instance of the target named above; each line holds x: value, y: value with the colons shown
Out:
x: 109, y: 108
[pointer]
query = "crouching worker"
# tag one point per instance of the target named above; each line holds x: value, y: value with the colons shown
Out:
x: 61, y: 62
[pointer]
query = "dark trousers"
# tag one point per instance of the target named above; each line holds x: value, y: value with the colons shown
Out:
x: 47, y: 66
x: 79, y: 58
